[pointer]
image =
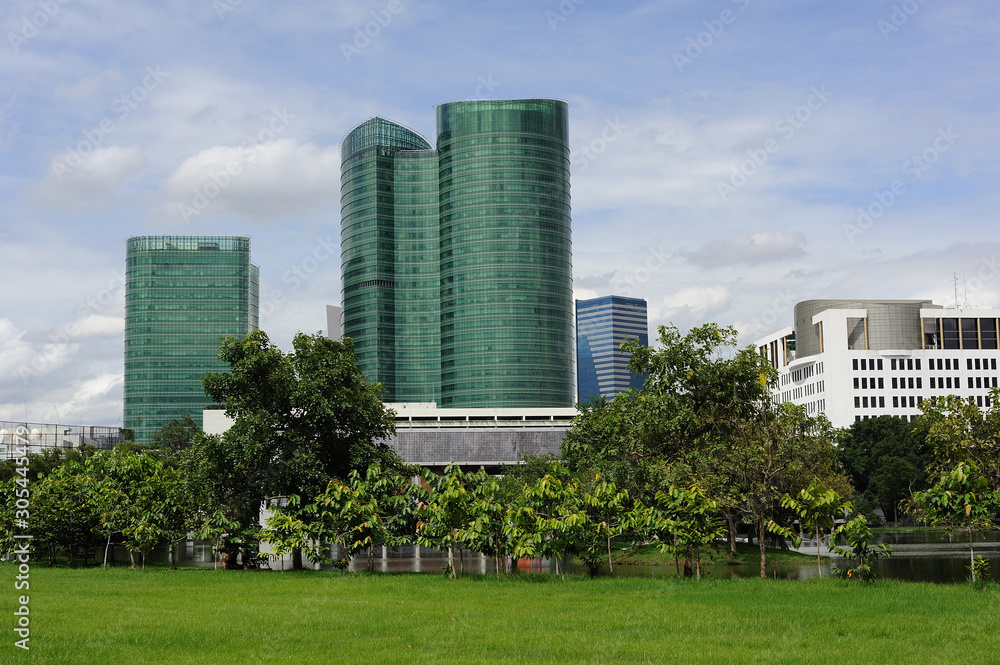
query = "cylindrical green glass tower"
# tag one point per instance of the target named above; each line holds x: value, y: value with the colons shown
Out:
x: 182, y: 293
x: 506, y: 254
x: 457, y: 270
x: 368, y: 243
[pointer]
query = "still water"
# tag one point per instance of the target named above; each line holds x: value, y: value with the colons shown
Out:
x: 926, y: 555
x: 922, y: 556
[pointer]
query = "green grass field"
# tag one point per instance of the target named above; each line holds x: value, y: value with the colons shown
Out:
x: 82, y: 616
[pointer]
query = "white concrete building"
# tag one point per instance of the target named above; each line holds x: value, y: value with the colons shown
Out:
x: 857, y: 359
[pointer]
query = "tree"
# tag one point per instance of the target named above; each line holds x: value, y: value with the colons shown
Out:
x: 961, y: 499
x: 885, y: 458
x: 301, y: 419
x: 860, y: 549
x: 608, y: 511
x: 816, y: 507
x: 446, y: 512
x: 959, y: 431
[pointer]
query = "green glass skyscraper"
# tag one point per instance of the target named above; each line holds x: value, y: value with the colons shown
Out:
x: 457, y: 261
x: 182, y: 293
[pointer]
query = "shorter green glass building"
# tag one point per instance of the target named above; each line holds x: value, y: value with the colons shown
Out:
x: 182, y: 294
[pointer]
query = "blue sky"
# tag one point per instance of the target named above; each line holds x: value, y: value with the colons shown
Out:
x: 729, y: 157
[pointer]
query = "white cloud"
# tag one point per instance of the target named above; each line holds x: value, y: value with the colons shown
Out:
x: 74, y: 180
x: 759, y: 247
x: 262, y: 182
x: 692, y: 303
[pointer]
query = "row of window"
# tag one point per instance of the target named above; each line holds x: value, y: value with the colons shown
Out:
x: 933, y: 363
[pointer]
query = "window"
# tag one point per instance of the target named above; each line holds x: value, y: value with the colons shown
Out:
x: 880, y: 363
x: 993, y: 363
x: 920, y: 400
x: 881, y: 383
x: 892, y: 363
x: 970, y: 334
x: 864, y: 383
x: 947, y: 363
x: 857, y: 402
x: 948, y: 379
x: 979, y: 383
x: 918, y: 363
x: 912, y: 404
x: 968, y: 363
x: 895, y: 402
x: 881, y: 402
x: 977, y: 364
x: 857, y: 383
x: 864, y: 364
x: 855, y: 363
x: 894, y: 381
x: 864, y: 402
x: 920, y: 383
x: 910, y: 383
x: 932, y: 382
x: 970, y: 381
x: 909, y: 364
x: 949, y: 333
x: 979, y: 400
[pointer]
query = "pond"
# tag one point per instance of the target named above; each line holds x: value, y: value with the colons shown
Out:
x: 922, y: 555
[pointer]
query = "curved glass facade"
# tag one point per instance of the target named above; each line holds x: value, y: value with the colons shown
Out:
x: 457, y: 261
x: 182, y: 293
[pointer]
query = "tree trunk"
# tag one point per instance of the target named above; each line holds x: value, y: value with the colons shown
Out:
x: 611, y: 568
x: 972, y: 558
x: 296, y: 559
x: 697, y: 563
x: 106, y: 548
x: 818, y: 569
x: 763, y: 550
x: 731, y: 526
x: 451, y: 561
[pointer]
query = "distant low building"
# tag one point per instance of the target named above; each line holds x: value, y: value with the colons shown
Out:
x: 432, y: 437
x: 857, y: 359
x: 18, y: 438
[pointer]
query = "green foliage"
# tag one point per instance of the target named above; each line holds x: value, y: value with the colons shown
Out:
x: 860, y: 550
x: 979, y: 570
x: 885, y: 458
x: 817, y: 508
x: 301, y: 419
x: 961, y: 499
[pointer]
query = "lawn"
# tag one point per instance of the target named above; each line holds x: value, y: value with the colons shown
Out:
x: 188, y: 616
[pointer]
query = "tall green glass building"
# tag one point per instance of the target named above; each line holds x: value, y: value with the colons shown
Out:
x: 457, y: 260
x: 182, y: 293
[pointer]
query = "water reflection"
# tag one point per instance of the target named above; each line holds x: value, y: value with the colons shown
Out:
x: 920, y: 556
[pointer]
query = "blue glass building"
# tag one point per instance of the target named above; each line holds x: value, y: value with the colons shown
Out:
x: 602, y: 324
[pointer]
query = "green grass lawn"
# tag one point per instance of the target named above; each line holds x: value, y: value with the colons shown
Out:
x: 82, y: 616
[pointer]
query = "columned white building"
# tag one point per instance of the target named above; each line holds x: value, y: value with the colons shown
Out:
x: 857, y: 359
